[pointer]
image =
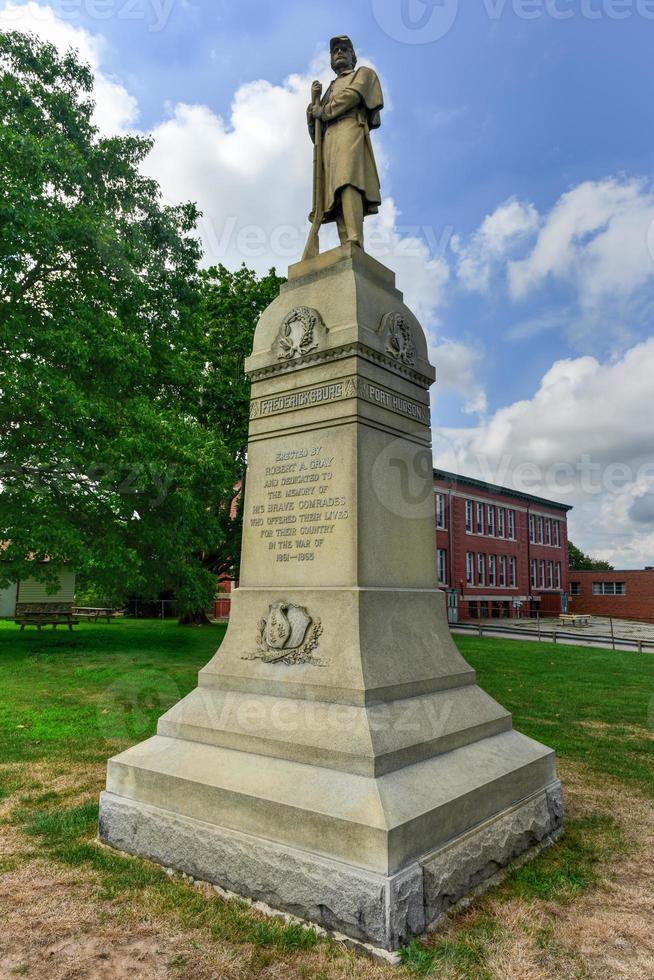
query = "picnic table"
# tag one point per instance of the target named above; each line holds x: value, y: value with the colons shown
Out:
x: 97, y: 612
x: 574, y: 619
x: 40, y: 619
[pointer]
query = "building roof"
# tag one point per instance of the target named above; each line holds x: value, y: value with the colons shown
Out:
x: 611, y: 571
x: 469, y: 481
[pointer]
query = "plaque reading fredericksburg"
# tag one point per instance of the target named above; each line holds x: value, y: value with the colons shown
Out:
x: 337, y: 759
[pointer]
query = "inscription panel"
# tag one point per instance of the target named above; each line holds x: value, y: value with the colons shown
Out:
x: 340, y: 390
x: 299, y: 510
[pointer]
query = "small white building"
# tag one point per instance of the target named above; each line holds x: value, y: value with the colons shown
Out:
x: 30, y: 592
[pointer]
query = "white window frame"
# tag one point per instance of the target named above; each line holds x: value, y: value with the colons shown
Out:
x: 557, y: 570
x: 550, y: 575
x: 610, y: 588
x: 442, y: 566
x: 440, y: 511
x: 502, y: 577
x: 469, y: 516
x: 492, y: 570
x: 533, y: 574
x: 548, y: 531
x: 501, y: 522
x: 490, y: 517
x: 557, y: 534
x: 470, y: 568
x: 532, y: 529
x: 513, y: 571
x: 479, y: 526
x: 511, y: 519
x: 575, y: 588
x: 540, y: 530
x: 541, y: 572
x: 481, y: 569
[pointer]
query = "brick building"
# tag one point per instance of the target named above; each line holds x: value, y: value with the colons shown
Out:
x: 622, y: 594
x: 501, y: 553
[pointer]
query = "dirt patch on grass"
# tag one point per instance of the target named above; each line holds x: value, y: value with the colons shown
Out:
x: 57, y: 924
x: 604, y: 933
x: 623, y: 731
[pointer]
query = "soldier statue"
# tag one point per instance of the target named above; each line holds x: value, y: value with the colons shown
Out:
x: 346, y: 182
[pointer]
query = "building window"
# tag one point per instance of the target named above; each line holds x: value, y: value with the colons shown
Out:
x: 557, y: 534
x: 548, y: 531
x: 532, y: 528
x: 609, y: 588
x: 502, y: 570
x: 492, y: 570
x: 481, y: 569
x: 442, y: 566
x: 540, y: 530
x: 469, y: 516
x: 513, y: 572
x: 511, y: 518
x: 550, y: 575
x: 470, y: 568
x: 480, y: 518
x: 575, y: 588
x: 534, y: 580
x: 440, y: 510
x: 491, y: 520
x: 558, y: 574
x: 501, y: 522
x: 473, y: 610
x: 541, y: 572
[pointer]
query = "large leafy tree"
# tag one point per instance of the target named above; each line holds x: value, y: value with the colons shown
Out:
x: 115, y: 455
x: 578, y: 561
x: 232, y: 304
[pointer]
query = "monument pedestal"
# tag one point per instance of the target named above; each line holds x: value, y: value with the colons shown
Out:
x: 337, y: 759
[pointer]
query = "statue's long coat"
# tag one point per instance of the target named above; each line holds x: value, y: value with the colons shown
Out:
x: 351, y: 105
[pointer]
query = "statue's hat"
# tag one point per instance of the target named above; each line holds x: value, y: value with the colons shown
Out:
x: 341, y: 39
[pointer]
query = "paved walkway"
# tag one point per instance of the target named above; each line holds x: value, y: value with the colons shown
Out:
x: 598, y: 633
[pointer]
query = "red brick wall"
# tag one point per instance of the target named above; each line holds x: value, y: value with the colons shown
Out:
x: 638, y: 603
x: 457, y: 542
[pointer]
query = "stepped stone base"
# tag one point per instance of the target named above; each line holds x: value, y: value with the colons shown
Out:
x: 385, y: 910
x: 337, y: 759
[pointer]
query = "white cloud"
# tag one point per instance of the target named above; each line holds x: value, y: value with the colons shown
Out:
x: 456, y: 370
x: 251, y: 176
x: 116, y: 111
x: 585, y: 438
x: 595, y: 237
x: 479, y: 258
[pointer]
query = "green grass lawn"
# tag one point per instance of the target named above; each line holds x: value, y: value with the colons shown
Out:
x: 80, y: 694
x: 594, y: 706
x: 80, y: 697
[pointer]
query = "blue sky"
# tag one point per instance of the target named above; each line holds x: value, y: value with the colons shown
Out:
x: 517, y: 156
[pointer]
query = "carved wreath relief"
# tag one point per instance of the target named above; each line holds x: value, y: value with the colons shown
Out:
x: 297, y: 335
x: 288, y: 635
x: 400, y: 343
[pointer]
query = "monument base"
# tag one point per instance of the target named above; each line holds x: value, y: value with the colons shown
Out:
x: 382, y: 910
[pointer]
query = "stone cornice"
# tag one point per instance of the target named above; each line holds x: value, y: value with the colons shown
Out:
x: 338, y: 353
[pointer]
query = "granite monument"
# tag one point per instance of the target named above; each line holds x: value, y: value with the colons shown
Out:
x: 338, y: 760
